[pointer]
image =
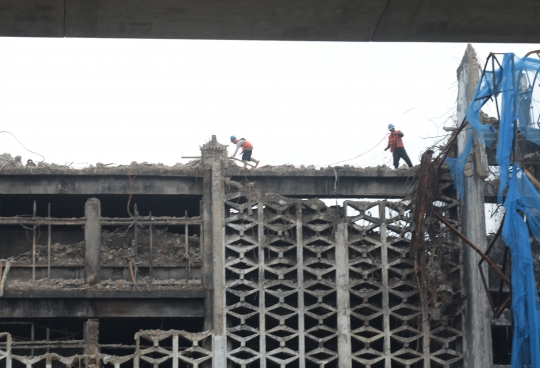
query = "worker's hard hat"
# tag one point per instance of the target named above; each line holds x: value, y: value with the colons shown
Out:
x: 390, y: 126
x: 233, y: 138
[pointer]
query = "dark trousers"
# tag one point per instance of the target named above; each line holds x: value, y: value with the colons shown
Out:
x: 399, y: 152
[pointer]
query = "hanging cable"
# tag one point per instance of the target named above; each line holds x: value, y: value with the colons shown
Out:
x: 22, y: 145
x: 386, y: 135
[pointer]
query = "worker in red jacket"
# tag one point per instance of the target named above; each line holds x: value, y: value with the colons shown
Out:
x: 395, y: 143
x: 247, y: 150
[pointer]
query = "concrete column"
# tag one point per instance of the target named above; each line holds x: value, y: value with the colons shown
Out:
x: 300, y: 282
x: 91, y: 342
x: 385, y: 295
x: 214, y: 159
x: 92, y: 241
x: 478, y: 350
x: 207, y: 264
x: 343, y: 297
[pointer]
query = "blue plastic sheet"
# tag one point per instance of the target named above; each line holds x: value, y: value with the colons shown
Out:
x: 522, y: 196
x: 456, y: 166
x: 517, y: 82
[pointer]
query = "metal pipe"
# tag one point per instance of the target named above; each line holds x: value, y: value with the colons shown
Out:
x: 34, y: 244
x: 47, y: 339
x: 49, y: 246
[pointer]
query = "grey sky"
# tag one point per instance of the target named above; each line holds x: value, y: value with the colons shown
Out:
x: 117, y: 101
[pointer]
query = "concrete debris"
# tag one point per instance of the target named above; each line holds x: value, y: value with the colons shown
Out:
x: 118, y: 248
x: 280, y: 169
x: 486, y: 119
x: 169, y: 249
x: 7, y: 161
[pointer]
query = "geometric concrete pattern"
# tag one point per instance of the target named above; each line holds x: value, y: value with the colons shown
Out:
x: 308, y: 285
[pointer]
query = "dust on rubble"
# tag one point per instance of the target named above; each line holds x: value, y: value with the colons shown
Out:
x: 282, y: 169
x: 144, y: 284
x: 7, y: 162
x: 117, y: 249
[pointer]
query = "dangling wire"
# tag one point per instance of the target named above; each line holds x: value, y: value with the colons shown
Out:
x: 386, y: 135
x: 22, y: 145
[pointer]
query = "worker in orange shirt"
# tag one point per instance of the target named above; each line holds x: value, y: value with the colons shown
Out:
x: 396, y: 146
x: 247, y: 150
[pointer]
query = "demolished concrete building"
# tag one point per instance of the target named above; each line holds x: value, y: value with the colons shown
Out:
x: 208, y: 264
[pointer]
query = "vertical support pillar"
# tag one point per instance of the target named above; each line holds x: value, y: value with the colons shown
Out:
x: 91, y: 342
x: 91, y: 336
x: 386, y: 298
x: 92, y: 241
x: 214, y: 159
x: 343, y: 297
x: 207, y: 264
x: 175, y: 351
x: 262, y: 295
x: 300, y: 277
x: 479, y: 350
x: 8, y: 351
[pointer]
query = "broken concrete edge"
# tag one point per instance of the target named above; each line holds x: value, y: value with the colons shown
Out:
x: 78, y: 287
x: 9, y: 166
x: 263, y: 172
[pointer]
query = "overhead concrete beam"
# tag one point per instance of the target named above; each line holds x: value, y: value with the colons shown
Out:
x: 100, y: 308
x: 307, y: 183
x: 298, y: 20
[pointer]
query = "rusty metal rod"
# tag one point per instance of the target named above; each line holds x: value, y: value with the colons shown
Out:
x: 450, y: 143
x: 495, y: 237
x: 531, y: 178
x: 474, y: 247
x: 503, y: 306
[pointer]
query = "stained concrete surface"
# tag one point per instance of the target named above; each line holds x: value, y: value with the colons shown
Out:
x: 301, y: 20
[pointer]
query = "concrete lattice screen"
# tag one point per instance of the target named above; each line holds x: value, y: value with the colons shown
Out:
x: 309, y: 286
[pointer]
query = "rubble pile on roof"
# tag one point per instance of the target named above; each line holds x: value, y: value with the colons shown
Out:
x: 118, y: 249
x: 7, y: 162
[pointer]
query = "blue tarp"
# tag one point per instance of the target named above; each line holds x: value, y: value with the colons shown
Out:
x: 516, y: 82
